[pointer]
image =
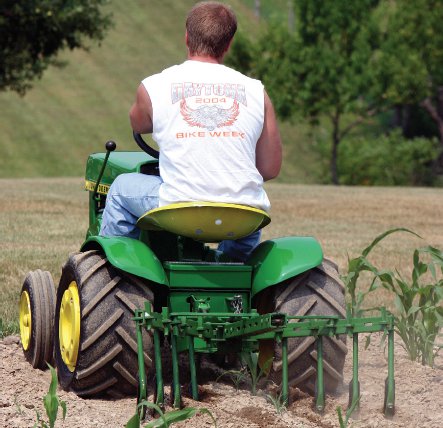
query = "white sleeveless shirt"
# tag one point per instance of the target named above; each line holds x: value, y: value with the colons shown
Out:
x: 207, y: 119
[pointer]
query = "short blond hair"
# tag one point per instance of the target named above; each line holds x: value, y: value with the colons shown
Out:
x: 210, y: 26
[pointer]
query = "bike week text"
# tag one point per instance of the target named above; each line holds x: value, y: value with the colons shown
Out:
x: 204, y: 134
x: 183, y: 90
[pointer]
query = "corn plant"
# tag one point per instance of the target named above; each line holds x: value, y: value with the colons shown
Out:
x: 236, y: 376
x: 250, y: 360
x: 166, y: 419
x: 277, y: 401
x: 419, y: 304
x: 361, y: 264
x: 52, y: 403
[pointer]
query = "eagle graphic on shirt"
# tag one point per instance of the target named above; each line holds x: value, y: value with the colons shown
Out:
x: 209, y: 117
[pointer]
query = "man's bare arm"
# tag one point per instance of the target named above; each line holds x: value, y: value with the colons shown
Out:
x: 140, y: 114
x: 268, y: 153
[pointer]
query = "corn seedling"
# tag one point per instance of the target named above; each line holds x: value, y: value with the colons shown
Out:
x: 237, y: 377
x: 166, y: 419
x: 52, y: 403
x: 277, y: 401
x: 250, y: 360
x: 17, y: 405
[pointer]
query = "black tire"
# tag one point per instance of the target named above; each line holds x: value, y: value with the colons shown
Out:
x: 40, y: 344
x: 107, y: 363
x: 316, y: 292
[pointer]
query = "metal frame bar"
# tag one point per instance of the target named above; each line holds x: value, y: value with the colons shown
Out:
x: 217, y: 328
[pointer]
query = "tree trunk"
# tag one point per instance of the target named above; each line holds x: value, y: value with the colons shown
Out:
x: 291, y: 16
x: 334, y: 148
x: 257, y: 8
x: 436, y: 113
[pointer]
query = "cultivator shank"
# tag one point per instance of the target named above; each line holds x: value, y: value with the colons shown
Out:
x: 202, y: 332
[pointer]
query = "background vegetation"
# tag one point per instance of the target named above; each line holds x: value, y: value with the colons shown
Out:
x: 342, y: 75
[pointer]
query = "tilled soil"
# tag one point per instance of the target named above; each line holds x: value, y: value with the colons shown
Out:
x: 419, y: 398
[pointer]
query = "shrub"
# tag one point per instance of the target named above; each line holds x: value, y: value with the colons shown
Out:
x: 389, y: 160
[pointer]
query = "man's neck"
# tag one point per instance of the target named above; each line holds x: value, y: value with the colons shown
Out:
x: 205, y: 58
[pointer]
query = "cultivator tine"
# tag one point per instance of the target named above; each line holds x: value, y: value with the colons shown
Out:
x: 160, y: 395
x: 194, y: 386
x: 320, y: 386
x: 176, y: 396
x: 247, y: 330
x: 354, y: 385
x: 142, y: 394
x: 285, y: 386
x: 389, y: 401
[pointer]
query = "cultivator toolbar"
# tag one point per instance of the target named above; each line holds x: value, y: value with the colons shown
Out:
x: 202, y: 332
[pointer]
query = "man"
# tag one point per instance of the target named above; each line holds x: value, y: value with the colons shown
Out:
x: 215, y: 128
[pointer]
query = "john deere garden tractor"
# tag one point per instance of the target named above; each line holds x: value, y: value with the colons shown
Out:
x: 122, y: 304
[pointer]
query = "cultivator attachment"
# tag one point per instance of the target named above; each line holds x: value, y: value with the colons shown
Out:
x: 202, y: 332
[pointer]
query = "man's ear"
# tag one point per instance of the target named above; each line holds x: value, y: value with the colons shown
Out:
x: 227, y: 49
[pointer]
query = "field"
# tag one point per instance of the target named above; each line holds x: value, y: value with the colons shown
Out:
x: 42, y: 220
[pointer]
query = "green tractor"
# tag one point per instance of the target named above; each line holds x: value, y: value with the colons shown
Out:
x: 122, y: 303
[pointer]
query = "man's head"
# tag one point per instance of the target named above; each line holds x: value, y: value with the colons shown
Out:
x: 210, y: 27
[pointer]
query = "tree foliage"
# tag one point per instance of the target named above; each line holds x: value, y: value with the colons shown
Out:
x: 32, y: 32
x: 409, y: 65
x: 321, y: 69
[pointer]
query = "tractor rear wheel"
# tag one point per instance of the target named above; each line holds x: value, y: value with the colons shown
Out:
x: 95, y: 335
x: 37, y: 303
x: 316, y: 292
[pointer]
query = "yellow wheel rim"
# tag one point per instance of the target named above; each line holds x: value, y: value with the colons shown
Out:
x: 25, y: 320
x: 69, y: 326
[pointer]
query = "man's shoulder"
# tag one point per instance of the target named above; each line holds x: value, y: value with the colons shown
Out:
x: 169, y: 70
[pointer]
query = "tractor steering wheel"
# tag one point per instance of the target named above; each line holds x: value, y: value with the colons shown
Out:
x: 145, y: 146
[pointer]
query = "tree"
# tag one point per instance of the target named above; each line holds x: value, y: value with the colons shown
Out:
x: 321, y: 70
x: 32, y: 32
x: 409, y: 64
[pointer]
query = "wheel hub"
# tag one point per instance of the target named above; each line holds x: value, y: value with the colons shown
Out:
x: 69, y: 326
x: 25, y: 320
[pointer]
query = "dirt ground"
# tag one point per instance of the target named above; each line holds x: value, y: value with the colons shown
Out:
x: 419, y: 398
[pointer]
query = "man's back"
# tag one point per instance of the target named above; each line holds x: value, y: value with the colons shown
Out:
x: 207, y: 119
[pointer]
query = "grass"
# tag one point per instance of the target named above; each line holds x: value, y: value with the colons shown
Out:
x: 42, y: 220
x: 72, y: 110
x: 75, y: 109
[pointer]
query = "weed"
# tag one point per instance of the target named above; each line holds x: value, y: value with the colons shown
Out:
x: 51, y: 402
x: 8, y: 327
x: 168, y: 418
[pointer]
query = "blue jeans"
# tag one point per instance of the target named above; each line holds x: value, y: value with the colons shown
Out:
x: 131, y: 195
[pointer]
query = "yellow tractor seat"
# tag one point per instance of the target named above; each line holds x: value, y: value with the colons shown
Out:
x: 205, y: 221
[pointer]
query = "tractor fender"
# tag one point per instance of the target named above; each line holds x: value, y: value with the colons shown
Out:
x: 129, y: 255
x: 276, y: 260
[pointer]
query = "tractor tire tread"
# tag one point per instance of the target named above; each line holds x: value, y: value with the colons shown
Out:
x: 41, y: 290
x: 107, y: 360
